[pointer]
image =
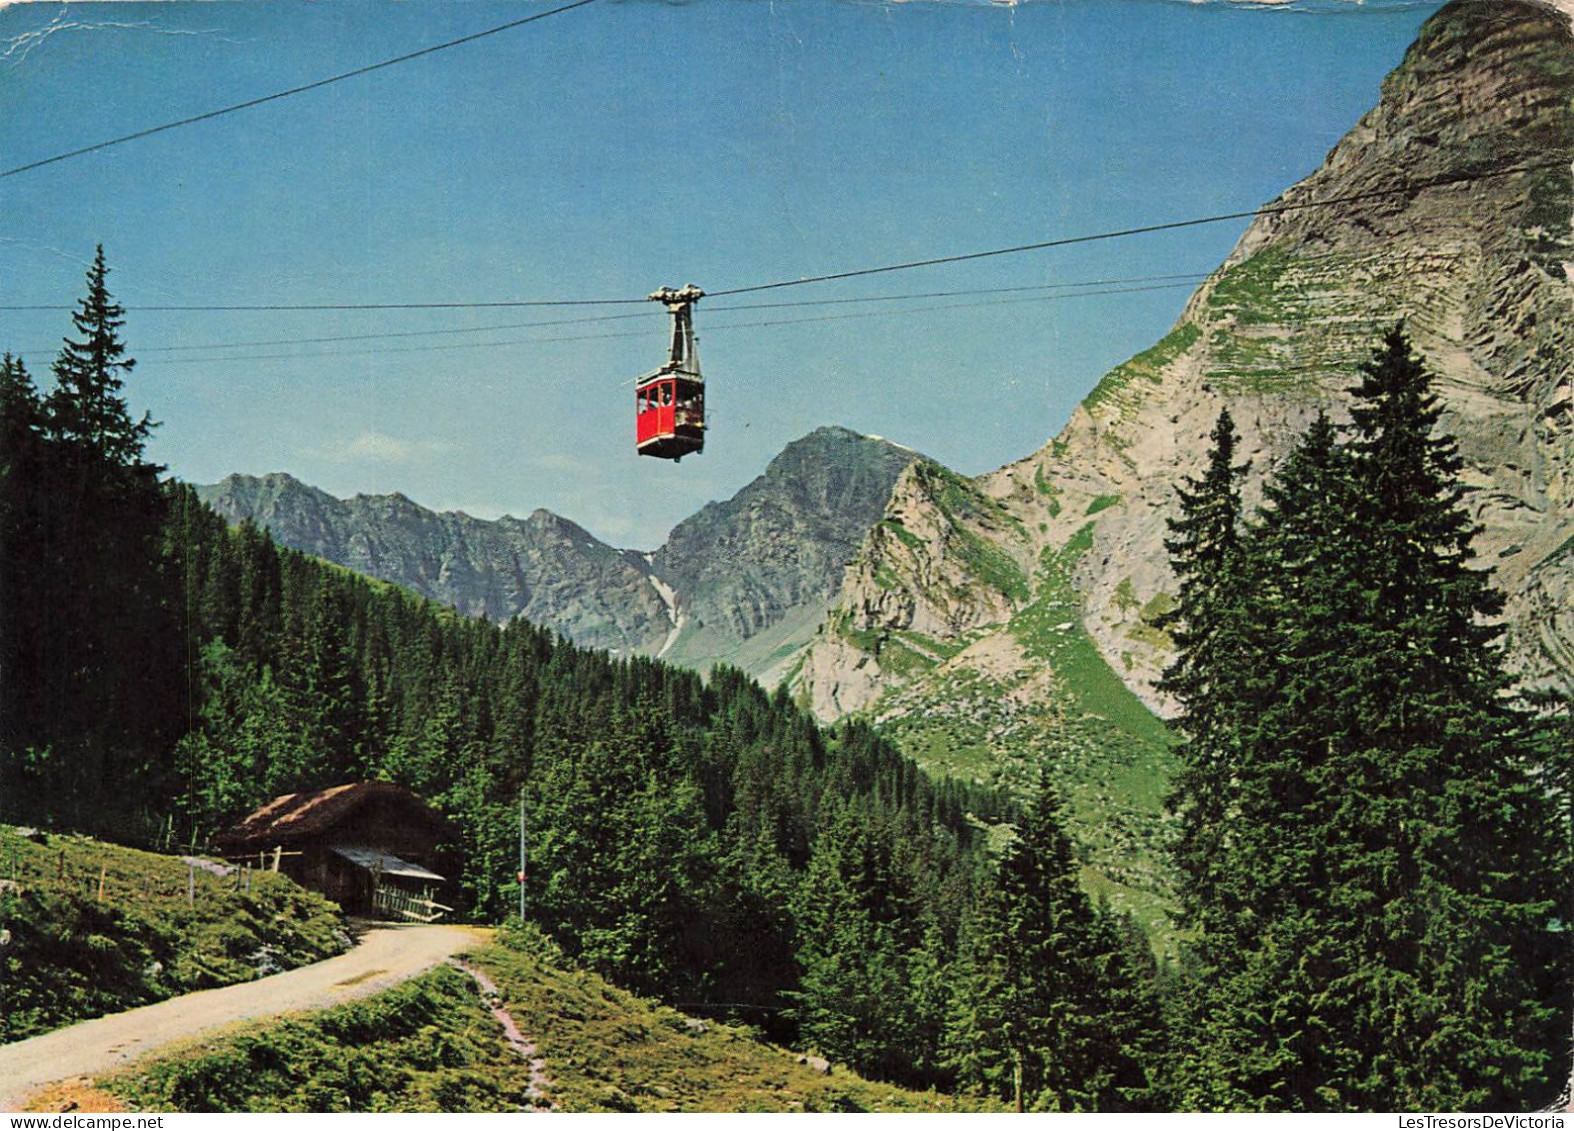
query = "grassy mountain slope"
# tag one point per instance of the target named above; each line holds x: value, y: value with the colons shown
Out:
x: 431, y: 1046
x: 973, y: 657
x: 70, y: 955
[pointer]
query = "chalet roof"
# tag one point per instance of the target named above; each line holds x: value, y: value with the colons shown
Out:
x: 308, y: 816
x: 385, y: 863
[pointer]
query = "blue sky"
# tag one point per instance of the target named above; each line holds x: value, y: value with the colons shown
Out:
x: 613, y: 149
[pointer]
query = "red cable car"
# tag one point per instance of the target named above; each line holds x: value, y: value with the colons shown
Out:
x: 669, y: 404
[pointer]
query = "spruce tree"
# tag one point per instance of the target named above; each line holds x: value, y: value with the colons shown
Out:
x: 104, y: 666
x: 1048, y: 1012
x: 1385, y: 939
x: 87, y: 408
x: 1207, y: 675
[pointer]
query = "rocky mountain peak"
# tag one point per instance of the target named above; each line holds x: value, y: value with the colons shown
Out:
x: 745, y: 580
x: 755, y: 574
x: 1447, y: 207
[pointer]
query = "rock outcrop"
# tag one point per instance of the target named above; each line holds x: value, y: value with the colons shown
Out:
x: 1447, y: 207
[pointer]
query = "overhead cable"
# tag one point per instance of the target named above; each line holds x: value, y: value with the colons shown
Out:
x: 712, y: 328
x: 1149, y: 229
x: 1408, y: 188
x: 249, y: 103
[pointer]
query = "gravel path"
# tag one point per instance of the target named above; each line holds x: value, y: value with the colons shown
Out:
x: 540, y: 1085
x: 385, y: 956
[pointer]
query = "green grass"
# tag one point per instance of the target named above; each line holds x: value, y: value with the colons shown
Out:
x: 900, y: 659
x: 72, y: 956
x: 425, y: 1046
x: 608, y: 1050
x: 1042, y: 630
x: 1102, y: 503
x: 943, y: 649
x: 1107, y: 753
x: 1147, y: 630
x: 1258, y: 291
x: 1145, y: 366
x: 1266, y: 312
x: 991, y: 565
x: 864, y: 639
x: 903, y: 535
x: 430, y: 1046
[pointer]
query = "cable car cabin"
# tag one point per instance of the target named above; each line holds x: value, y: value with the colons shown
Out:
x: 669, y: 417
x: 669, y: 404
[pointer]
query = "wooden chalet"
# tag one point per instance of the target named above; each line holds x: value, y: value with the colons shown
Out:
x: 372, y: 847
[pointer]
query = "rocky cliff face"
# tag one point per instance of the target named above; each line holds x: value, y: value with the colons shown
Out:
x: 943, y: 562
x: 1452, y: 213
x: 754, y: 575
x: 746, y: 580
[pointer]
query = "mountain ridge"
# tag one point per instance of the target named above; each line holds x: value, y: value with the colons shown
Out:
x: 1278, y: 331
x: 744, y: 580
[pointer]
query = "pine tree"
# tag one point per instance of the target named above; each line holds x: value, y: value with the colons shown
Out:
x: 1209, y: 674
x: 1383, y: 932
x: 1048, y: 1012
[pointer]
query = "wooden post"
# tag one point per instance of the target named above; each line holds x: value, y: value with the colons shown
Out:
x: 278, y: 854
x: 103, y: 874
x: 191, y: 887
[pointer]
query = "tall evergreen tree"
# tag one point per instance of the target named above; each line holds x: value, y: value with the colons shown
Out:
x: 102, y: 654
x: 1385, y: 938
x: 1048, y: 1011
x: 1209, y: 674
x: 87, y: 407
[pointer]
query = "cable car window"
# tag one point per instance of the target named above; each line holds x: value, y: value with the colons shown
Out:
x: 666, y: 394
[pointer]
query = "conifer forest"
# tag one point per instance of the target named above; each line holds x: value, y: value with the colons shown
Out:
x: 1373, y: 843
x: 1183, y: 723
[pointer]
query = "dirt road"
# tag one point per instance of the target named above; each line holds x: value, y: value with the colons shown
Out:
x: 384, y: 957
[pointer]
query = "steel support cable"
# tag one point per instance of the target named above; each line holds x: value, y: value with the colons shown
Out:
x: 714, y: 328
x: 1149, y: 229
x: 330, y: 80
x: 1065, y: 241
x: 1195, y: 276
x: 140, y: 309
